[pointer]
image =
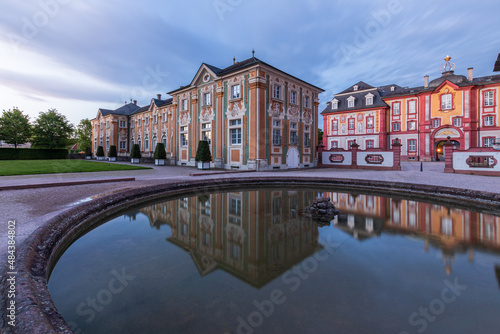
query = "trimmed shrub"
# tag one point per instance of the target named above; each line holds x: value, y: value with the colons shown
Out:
x: 100, y: 151
x: 203, y: 153
x: 160, y: 152
x: 112, y: 152
x: 9, y: 153
x: 136, y: 152
x: 88, y: 151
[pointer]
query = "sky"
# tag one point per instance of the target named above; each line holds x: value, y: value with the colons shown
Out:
x: 79, y: 56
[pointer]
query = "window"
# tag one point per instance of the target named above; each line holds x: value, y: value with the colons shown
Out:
x: 207, y: 99
x: 396, y: 108
x: 277, y: 123
x: 335, y: 125
x: 489, y: 98
x: 184, y: 139
x: 235, y: 206
x: 335, y: 144
x: 369, y: 99
x: 350, y: 102
x: 235, y: 92
x: 360, y: 127
x: 123, y: 145
x: 147, y: 121
x: 293, y: 133
x: 335, y: 104
x: 277, y: 92
x: 206, y: 132
x: 369, y: 122
x: 355, y: 87
x: 412, y: 145
x: 132, y: 124
x: 235, y: 133
x: 107, y: 124
x: 123, y: 124
x: 164, y: 117
x: 445, y: 101
x: 446, y: 226
x: 293, y: 97
x: 412, y: 126
x: 395, y: 127
x: 457, y: 121
x: 369, y: 144
x: 307, y: 139
x: 351, y: 123
x: 155, y: 119
x: 488, y: 141
x: 184, y: 104
x: 349, y: 143
x: 435, y: 123
x: 140, y: 122
x: 146, y: 143
x: 412, y: 106
x: 306, y: 102
x: 489, y: 121
x: 164, y: 140
x: 276, y: 137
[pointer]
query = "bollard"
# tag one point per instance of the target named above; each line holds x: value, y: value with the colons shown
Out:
x: 421, y: 166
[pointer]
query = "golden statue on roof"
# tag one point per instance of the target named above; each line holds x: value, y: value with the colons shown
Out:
x: 448, y: 66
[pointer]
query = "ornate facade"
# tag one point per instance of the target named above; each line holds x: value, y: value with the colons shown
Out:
x: 464, y: 108
x: 253, y: 115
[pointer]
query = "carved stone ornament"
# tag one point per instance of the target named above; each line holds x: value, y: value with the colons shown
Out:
x: 184, y: 119
x: 274, y: 109
x: 293, y: 113
x: 207, y: 115
x: 235, y: 233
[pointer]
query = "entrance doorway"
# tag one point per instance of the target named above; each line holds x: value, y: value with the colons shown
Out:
x: 439, y: 149
x: 292, y: 158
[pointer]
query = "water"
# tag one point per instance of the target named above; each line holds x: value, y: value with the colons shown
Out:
x: 255, y: 262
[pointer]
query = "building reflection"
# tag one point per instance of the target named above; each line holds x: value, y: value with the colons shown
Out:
x: 258, y: 235
x: 253, y: 235
x: 450, y: 229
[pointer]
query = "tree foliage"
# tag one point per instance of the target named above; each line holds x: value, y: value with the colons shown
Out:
x: 14, y: 127
x: 160, y: 152
x: 203, y: 153
x: 100, y: 152
x: 136, y: 152
x: 320, y: 136
x: 84, y: 134
x: 112, y: 152
x: 52, y: 130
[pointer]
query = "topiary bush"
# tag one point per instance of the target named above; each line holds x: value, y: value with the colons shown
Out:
x: 160, y: 152
x: 112, y: 152
x: 136, y: 152
x: 100, y: 151
x: 203, y: 153
x: 88, y: 151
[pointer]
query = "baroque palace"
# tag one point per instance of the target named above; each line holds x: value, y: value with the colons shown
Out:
x: 422, y: 118
x: 253, y: 115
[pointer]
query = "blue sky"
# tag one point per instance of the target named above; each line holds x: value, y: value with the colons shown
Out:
x: 77, y: 56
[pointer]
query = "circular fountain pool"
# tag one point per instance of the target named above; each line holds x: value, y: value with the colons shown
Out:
x: 254, y: 261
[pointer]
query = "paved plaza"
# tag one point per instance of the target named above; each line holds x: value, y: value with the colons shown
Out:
x: 31, y: 206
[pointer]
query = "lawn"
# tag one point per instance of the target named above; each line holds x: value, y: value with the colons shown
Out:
x: 27, y: 167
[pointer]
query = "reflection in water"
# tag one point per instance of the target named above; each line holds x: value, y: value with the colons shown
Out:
x: 253, y: 235
x: 257, y: 235
x: 208, y: 264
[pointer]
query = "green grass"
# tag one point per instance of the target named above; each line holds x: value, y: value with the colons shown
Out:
x: 28, y: 167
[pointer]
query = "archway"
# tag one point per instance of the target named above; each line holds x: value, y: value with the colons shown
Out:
x: 439, y: 149
x: 292, y: 158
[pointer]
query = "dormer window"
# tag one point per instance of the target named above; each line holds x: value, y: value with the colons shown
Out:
x: 335, y: 104
x: 350, y: 102
x: 355, y: 87
x: 369, y: 99
x: 393, y: 88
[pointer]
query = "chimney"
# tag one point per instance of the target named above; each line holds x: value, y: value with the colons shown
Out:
x: 426, y: 81
x: 158, y: 96
x: 135, y: 102
x: 469, y: 73
x: 234, y: 60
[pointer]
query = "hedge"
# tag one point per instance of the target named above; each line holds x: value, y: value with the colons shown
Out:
x: 8, y: 153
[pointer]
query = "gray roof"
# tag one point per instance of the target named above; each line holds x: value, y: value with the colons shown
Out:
x: 241, y: 65
x: 360, y: 99
x: 497, y: 65
x: 125, y: 110
x: 361, y: 86
x: 161, y: 103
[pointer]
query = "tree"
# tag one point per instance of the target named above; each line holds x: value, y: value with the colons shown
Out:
x: 52, y: 130
x: 84, y: 134
x: 14, y: 127
x: 320, y: 136
x: 203, y: 153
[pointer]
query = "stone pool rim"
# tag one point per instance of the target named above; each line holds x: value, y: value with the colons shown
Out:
x: 35, y: 310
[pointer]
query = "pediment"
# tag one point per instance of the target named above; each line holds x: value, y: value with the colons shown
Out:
x: 204, y: 76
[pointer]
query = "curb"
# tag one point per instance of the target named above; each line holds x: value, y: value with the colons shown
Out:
x: 63, y: 184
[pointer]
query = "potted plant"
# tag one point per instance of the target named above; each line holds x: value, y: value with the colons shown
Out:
x: 203, y: 155
x: 135, y: 154
x: 112, y: 153
x: 160, y: 154
x: 88, y: 153
x: 100, y: 153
